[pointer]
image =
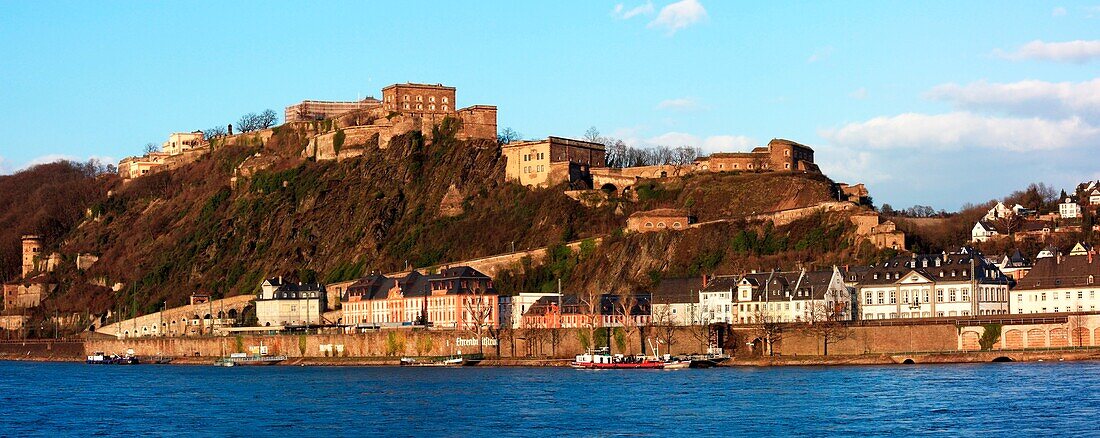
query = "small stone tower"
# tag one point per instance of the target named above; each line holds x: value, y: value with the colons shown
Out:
x: 32, y: 246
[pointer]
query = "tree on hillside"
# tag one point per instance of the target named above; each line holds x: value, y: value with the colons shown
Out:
x: 1010, y: 223
x: 255, y: 122
x: 151, y: 148
x: 215, y: 132
x: 1037, y: 196
x: 508, y: 135
x: 592, y: 135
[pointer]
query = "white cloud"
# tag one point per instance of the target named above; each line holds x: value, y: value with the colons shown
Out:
x: 1026, y: 98
x: 714, y: 143
x: 963, y: 130
x: 679, y: 15
x: 678, y: 104
x: 53, y: 158
x: 1058, y: 12
x: 859, y: 94
x: 1078, y: 51
x: 820, y: 55
x: 622, y: 13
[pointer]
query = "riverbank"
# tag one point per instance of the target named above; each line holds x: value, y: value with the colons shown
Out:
x: 774, y: 361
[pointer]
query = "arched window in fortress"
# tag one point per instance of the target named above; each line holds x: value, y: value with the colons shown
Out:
x: 431, y: 107
x: 676, y: 225
x: 661, y: 225
x: 649, y: 224
x: 787, y: 153
x: 444, y: 107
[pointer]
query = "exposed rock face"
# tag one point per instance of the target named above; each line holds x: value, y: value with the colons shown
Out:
x: 451, y: 205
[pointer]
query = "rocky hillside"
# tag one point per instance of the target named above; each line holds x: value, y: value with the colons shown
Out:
x: 424, y: 200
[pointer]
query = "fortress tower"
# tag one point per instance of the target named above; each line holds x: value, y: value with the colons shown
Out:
x: 32, y: 247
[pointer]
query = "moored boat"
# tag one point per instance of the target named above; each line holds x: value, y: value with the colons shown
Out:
x: 603, y: 360
x: 241, y: 359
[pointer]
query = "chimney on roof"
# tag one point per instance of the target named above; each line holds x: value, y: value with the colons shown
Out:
x: 705, y: 276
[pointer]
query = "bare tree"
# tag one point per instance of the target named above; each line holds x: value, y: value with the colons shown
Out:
x: 592, y: 135
x: 664, y: 323
x: 626, y: 304
x: 508, y: 135
x: 1010, y: 223
x: 699, y: 329
x: 823, y: 320
x: 768, y: 327
x: 591, y: 308
x: 479, y: 309
x: 151, y: 148
x: 531, y: 332
x: 212, y: 133
x: 255, y: 122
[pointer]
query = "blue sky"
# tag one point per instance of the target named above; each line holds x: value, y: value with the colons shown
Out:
x: 936, y: 103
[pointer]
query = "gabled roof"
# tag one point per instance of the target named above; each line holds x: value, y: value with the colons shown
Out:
x: 1058, y: 272
x: 676, y: 290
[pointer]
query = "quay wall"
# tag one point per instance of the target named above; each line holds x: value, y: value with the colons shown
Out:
x: 46, y: 349
x: 938, y: 338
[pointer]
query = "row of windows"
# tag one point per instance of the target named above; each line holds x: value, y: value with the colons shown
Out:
x: 430, y: 99
x: 897, y: 275
x: 915, y: 296
x: 1092, y: 308
x: 1054, y: 296
x: 431, y: 107
x: 530, y: 169
x: 535, y: 156
x: 914, y: 314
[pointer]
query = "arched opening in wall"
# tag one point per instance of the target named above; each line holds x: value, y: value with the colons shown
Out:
x: 609, y: 188
x: 664, y: 174
x: 207, y: 316
x: 908, y: 362
x: 232, y: 313
x: 221, y: 315
x: 1002, y: 359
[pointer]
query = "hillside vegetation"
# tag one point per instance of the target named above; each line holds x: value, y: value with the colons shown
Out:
x: 170, y: 234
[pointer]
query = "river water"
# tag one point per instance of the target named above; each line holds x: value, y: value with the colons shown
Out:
x: 999, y: 399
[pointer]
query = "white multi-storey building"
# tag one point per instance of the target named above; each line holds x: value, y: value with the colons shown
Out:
x: 921, y: 286
x: 1059, y: 284
x: 717, y: 300
x: 284, y: 303
x: 1068, y: 208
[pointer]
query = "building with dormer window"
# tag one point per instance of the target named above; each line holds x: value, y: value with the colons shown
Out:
x: 283, y: 303
x: 458, y: 298
x: 961, y: 283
